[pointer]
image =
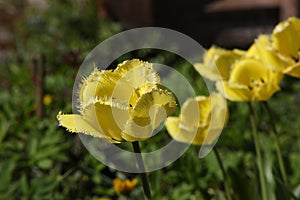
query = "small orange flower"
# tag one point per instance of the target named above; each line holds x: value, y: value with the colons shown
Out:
x: 123, y: 187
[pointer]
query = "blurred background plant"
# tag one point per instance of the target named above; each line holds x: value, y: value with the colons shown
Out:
x: 42, y: 47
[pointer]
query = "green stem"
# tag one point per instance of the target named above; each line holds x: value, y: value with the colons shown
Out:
x: 227, y: 189
x: 278, y: 150
x: 141, y: 167
x: 261, y: 171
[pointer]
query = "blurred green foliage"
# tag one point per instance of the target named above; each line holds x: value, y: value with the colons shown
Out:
x: 39, y: 160
x: 65, y: 27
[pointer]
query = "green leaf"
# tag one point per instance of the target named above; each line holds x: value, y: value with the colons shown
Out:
x: 4, y: 126
x: 32, y: 147
x: 45, y: 164
x: 6, y: 169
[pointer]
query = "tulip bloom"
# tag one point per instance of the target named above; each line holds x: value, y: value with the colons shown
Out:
x: 125, y: 104
x: 286, y: 41
x: 256, y: 75
x: 201, y: 120
x: 250, y: 80
x: 217, y: 63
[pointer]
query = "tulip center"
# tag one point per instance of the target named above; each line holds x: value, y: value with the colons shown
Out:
x: 256, y: 83
x: 249, y: 72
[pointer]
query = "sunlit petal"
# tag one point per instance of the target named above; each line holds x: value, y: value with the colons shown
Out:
x: 217, y: 63
x: 286, y: 37
x: 76, y: 123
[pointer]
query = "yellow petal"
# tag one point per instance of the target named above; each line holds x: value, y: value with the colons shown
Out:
x: 293, y: 70
x: 219, y: 117
x: 109, y: 115
x: 136, y: 77
x: 234, y: 92
x: 265, y: 92
x: 286, y: 37
x: 137, y: 73
x: 263, y: 51
x: 196, y: 111
x: 219, y: 110
x: 217, y: 63
x: 130, y: 184
x: 99, y: 84
x: 119, y: 185
x: 248, y: 70
x: 124, y: 187
x: 205, y: 106
x: 76, y: 123
x: 140, y: 128
x: 259, y: 46
x: 212, y: 72
x: 190, y: 112
x: 180, y: 132
x: 136, y: 132
x: 268, y: 88
x: 155, y: 97
x: 150, y: 111
x: 157, y: 115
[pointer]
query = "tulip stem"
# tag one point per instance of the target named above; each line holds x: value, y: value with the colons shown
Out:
x: 141, y: 168
x: 227, y: 189
x: 261, y: 172
x: 278, y: 151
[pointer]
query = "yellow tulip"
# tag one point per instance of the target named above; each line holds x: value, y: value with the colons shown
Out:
x: 286, y: 41
x: 195, y: 125
x: 125, y: 104
x: 250, y: 80
x: 217, y: 63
